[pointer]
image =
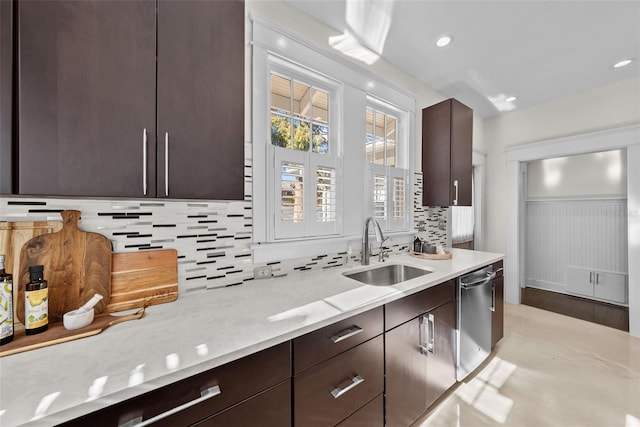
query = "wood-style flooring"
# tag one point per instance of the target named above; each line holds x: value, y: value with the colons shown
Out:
x: 602, y: 313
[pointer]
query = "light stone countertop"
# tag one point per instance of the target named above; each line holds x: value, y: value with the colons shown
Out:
x: 197, y: 332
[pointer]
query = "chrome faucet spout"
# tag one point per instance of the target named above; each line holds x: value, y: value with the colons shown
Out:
x: 366, y: 251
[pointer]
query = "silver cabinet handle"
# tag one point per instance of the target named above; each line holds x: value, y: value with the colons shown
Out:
x: 347, y: 333
x: 337, y: 392
x: 144, y: 161
x: 432, y: 334
x: 597, y: 277
x: 166, y: 164
x: 204, y: 395
x: 427, y: 334
x: 455, y: 201
x: 591, y: 277
x: 493, y: 297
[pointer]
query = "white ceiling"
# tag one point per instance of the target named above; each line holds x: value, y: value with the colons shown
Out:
x: 534, y: 49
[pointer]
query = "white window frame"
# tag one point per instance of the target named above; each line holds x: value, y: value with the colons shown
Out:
x: 269, y: 39
x: 309, y: 227
x: 400, y: 170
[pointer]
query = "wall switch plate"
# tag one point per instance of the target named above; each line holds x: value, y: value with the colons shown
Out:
x: 262, y: 272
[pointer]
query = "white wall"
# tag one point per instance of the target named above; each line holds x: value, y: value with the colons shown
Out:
x: 608, y: 107
x: 602, y: 174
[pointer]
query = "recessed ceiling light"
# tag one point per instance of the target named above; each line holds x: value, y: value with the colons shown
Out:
x: 444, y: 41
x: 623, y: 63
x: 510, y: 99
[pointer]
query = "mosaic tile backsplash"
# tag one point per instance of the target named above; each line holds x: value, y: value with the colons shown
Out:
x: 213, y: 239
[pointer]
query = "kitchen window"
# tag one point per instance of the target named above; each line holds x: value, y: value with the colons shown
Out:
x: 305, y: 150
x: 387, y: 170
x: 312, y: 186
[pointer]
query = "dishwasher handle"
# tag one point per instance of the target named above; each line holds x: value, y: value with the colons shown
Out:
x: 480, y: 282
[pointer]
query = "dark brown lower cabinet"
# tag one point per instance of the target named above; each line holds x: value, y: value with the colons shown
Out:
x: 330, y: 392
x: 271, y: 408
x: 497, y: 317
x: 420, y: 364
x: 196, y: 398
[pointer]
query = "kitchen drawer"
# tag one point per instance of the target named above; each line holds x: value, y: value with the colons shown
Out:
x: 370, y: 415
x: 271, y: 408
x: 355, y: 377
x: 320, y: 345
x: 236, y: 381
x: 405, y: 309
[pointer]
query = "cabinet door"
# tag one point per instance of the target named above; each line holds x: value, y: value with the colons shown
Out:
x: 441, y: 359
x: 6, y: 95
x: 86, y: 92
x: 610, y: 286
x: 405, y: 374
x: 420, y: 357
x: 461, y: 154
x: 271, y: 408
x: 580, y: 281
x: 447, y: 129
x: 201, y: 99
x: 497, y: 317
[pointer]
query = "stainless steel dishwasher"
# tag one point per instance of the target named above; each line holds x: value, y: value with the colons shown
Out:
x: 476, y: 302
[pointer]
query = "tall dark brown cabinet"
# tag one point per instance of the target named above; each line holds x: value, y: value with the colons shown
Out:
x: 99, y: 114
x: 447, y: 130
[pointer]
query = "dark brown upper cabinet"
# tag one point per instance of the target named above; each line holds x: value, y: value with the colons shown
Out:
x: 141, y: 98
x: 447, y: 129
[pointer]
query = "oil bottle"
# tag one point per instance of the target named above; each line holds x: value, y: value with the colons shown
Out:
x: 6, y: 304
x: 36, y: 302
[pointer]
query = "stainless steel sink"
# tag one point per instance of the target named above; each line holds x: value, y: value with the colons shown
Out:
x: 386, y: 275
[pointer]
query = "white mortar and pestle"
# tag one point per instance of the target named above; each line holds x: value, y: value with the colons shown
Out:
x: 82, y: 316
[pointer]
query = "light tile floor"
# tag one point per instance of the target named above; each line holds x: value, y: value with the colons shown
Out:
x: 549, y: 370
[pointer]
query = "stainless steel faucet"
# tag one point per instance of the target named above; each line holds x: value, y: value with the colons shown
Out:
x: 366, y: 251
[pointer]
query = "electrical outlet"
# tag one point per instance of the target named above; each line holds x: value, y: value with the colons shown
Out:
x: 262, y: 272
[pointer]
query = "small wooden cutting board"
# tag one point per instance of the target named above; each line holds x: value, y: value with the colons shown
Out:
x: 140, y: 279
x: 77, y: 265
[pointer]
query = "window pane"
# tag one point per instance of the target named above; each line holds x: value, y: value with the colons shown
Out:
x: 380, y: 197
x: 370, y: 137
x: 291, y: 192
x: 301, y: 101
x: 398, y: 198
x: 320, y: 139
x: 325, y: 195
x: 379, y: 153
x: 391, y: 141
x: 280, y: 94
x: 280, y: 131
x: 301, y: 135
x: 320, y: 105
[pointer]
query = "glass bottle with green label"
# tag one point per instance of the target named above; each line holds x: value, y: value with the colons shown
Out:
x: 6, y: 304
x: 36, y: 302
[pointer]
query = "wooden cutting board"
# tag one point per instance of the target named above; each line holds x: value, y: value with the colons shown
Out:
x: 140, y: 279
x: 15, y: 234
x: 77, y: 265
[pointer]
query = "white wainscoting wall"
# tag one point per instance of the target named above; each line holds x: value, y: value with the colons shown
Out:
x: 581, y: 233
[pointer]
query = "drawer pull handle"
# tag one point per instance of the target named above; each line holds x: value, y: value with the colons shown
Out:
x: 347, y: 333
x: 205, y: 394
x: 337, y: 392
